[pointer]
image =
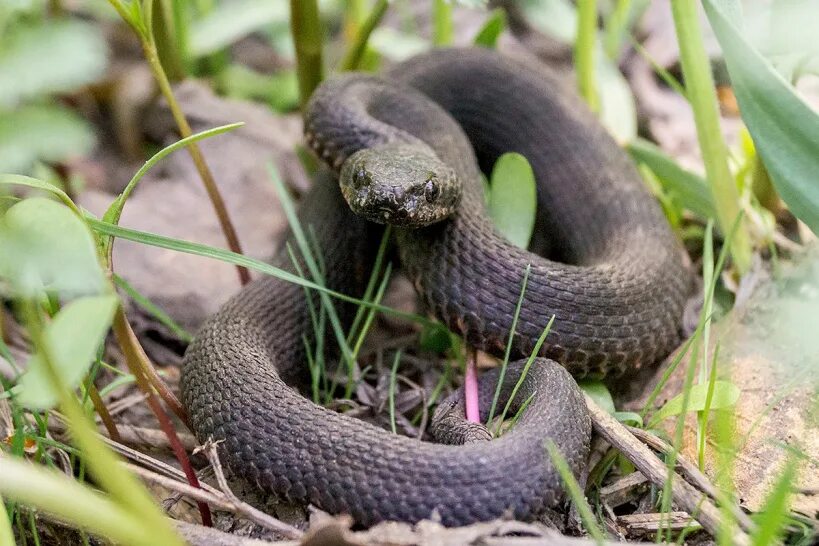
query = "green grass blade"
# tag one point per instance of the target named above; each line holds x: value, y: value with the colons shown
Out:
x: 227, y: 256
x: 352, y: 59
x: 441, y: 22
x: 702, y: 96
x: 775, y: 511
x: 526, y: 367
x: 508, y: 352
x: 153, y: 309
x: 584, y: 51
x: 393, y: 374
x: 575, y: 492
x: 63, y: 497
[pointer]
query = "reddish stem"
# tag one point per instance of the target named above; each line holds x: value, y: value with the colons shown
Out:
x: 473, y: 412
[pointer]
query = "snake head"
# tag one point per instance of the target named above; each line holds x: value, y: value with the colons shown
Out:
x: 400, y: 184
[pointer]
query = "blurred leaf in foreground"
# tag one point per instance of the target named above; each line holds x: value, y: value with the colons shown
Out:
x: 45, y: 246
x: 73, y: 338
x: 47, y: 132
x: 49, y: 57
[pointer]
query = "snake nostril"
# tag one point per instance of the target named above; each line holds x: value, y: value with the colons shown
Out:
x: 360, y: 178
x: 431, y: 191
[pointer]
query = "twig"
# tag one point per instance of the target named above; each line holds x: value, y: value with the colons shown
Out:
x: 220, y: 501
x: 197, y: 535
x: 692, y: 474
x: 209, y: 449
x: 141, y: 367
x: 103, y: 412
x: 684, y: 494
x: 149, y: 438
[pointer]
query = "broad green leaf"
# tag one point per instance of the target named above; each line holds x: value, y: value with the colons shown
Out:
x: 48, y: 133
x: 493, y: 27
x: 513, y: 198
x: 48, y: 57
x: 688, y: 189
x: 784, y: 128
x: 73, y: 338
x: 598, y: 392
x: 436, y: 338
x: 46, y: 246
x: 725, y: 395
x: 233, y: 20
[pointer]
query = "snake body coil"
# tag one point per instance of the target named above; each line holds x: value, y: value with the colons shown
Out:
x: 616, y: 285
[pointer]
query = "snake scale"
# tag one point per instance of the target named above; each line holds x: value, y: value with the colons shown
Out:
x: 613, y: 276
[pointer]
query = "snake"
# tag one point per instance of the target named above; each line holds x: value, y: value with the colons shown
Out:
x: 408, y: 148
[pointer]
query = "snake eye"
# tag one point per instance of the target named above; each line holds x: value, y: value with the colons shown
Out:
x: 431, y: 191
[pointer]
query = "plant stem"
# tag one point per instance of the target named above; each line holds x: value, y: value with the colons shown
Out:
x: 584, y: 50
x: 441, y: 22
x: 699, y: 86
x: 140, y: 367
x: 473, y: 412
x: 196, y: 155
x: 102, y: 411
x: 352, y: 59
x: 305, y: 26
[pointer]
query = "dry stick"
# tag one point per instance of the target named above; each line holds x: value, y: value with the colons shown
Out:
x: 139, y: 367
x: 149, y: 47
x: 220, y: 501
x: 691, y: 473
x: 683, y: 493
x: 213, y: 458
x: 145, y: 438
x: 196, y: 535
x: 102, y: 411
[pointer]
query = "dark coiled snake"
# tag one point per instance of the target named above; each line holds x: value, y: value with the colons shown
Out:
x: 614, y: 279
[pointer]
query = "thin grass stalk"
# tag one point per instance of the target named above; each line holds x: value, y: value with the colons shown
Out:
x: 584, y: 52
x: 509, y: 342
x: 305, y: 26
x: 130, y: 346
x: 140, y: 367
x: 391, y: 394
x: 352, y: 59
x: 371, y: 282
x: 575, y: 492
x: 164, y: 33
x: 441, y: 23
x: 202, y: 168
x: 227, y: 256
x: 525, y: 371
x: 616, y: 28
x: 102, y: 411
x: 699, y: 85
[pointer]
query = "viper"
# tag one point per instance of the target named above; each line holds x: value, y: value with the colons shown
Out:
x: 408, y: 149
